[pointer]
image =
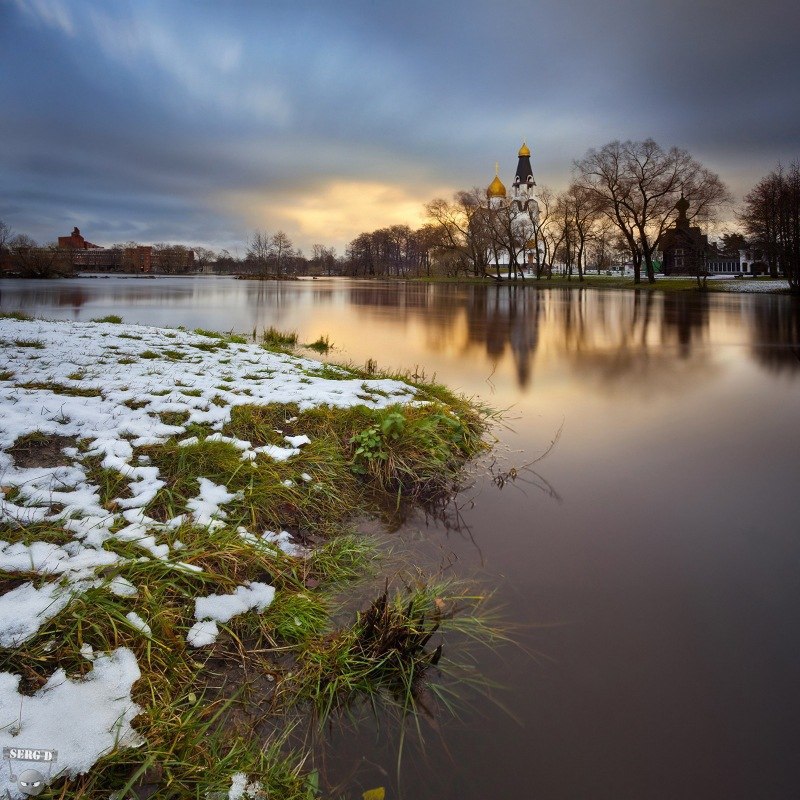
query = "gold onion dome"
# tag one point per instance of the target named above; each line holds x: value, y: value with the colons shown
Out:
x: 496, y: 188
x: 524, y: 150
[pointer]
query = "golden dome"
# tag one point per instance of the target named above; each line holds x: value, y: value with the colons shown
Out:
x: 524, y: 150
x: 496, y: 188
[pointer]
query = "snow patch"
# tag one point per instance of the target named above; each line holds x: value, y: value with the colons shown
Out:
x: 83, y: 719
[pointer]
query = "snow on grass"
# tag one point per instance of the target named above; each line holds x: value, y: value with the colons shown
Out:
x: 51, y: 559
x: 25, y: 609
x: 224, y: 607
x: 241, y: 788
x: 102, y: 391
x: 113, y: 388
x: 138, y: 623
x: 202, y: 633
x: 205, y: 507
x: 82, y: 719
x: 744, y: 286
x: 282, y: 541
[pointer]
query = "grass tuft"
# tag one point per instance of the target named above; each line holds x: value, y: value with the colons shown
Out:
x: 273, y: 339
x: 112, y: 318
x: 321, y: 345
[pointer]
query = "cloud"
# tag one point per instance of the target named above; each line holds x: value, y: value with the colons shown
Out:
x: 331, y: 119
x: 205, y: 66
x: 53, y: 13
x: 333, y: 213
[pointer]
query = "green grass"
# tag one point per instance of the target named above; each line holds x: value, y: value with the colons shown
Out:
x: 385, y: 655
x: 296, y: 617
x: 330, y: 373
x: 135, y: 405
x: 362, y: 462
x: 18, y: 315
x: 273, y: 339
x: 149, y: 354
x: 59, y: 388
x: 321, y: 345
x: 230, y: 337
x: 112, y: 318
x: 112, y: 485
x: 173, y: 417
x: 6, y: 375
x: 33, y: 343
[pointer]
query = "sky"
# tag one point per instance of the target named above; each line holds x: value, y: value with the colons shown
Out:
x: 197, y: 122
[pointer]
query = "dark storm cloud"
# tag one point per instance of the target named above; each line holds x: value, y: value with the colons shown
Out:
x: 139, y: 119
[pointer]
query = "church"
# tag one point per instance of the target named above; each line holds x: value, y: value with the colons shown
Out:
x: 513, y: 216
x: 685, y: 247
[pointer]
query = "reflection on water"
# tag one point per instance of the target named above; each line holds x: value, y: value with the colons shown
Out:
x: 624, y: 330
x: 659, y: 595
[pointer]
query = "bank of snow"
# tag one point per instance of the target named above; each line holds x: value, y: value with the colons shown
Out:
x: 108, y: 389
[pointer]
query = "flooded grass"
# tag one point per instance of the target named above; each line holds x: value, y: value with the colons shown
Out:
x: 321, y: 345
x: 273, y: 339
x: 301, y: 655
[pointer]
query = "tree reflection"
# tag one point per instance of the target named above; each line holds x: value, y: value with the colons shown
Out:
x: 776, y: 333
x: 685, y: 320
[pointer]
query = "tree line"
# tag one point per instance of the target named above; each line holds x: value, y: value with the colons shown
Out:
x: 621, y: 199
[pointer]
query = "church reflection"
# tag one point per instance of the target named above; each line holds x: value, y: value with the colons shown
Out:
x: 607, y: 333
x: 640, y: 337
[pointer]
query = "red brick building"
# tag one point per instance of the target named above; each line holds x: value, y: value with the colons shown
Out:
x: 76, y: 242
x: 175, y: 259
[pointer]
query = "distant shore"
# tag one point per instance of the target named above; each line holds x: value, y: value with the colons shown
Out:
x: 759, y: 285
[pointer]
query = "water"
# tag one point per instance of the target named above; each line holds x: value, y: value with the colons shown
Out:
x: 657, y: 581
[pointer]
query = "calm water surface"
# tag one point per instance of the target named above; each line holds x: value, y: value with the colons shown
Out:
x: 658, y: 583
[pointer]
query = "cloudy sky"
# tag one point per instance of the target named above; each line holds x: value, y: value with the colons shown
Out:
x: 197, y: 121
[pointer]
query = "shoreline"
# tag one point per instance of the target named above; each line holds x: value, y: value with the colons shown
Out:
x: 177, y: 511
x: 715, y: 285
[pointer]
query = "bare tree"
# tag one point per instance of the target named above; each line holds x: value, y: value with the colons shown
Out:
x: 281, y: 250
x: 33, y: 261
x: 323, y: 258
x: 542, y: 220
x: 583, y: 212
x: 464, y: 228
x: 172, y: 259
x: 6, y: 235
x: 204, y: 257
x: 772, y: 216
x: 259, y: 251
x: 636, y: 185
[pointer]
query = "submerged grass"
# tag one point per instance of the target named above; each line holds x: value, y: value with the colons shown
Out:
x: 321, y: 345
